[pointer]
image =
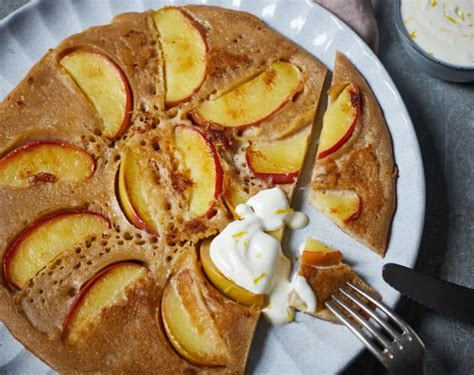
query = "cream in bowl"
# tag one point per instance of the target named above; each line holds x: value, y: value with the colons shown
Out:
x: 442, y: 28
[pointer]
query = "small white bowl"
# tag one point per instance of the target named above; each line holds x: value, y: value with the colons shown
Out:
x: 431, y: 65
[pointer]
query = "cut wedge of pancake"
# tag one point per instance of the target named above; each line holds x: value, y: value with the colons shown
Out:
x: 354, y: 175
x: 325, y: 273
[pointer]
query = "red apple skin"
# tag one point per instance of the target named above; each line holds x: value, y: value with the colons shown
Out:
x: 26, y: 232
x: 83, y: 292
x: 219, y: 171
x: 202, y: 32
x: 355, y: 97
x: 32, y: 145
x: 276, y: 178
x: 126, y: 85
x: 357, y: 213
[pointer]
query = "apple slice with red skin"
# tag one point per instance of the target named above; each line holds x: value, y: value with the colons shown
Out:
x: 189, y: 324
x: 105, y: 85
x: 253, y: 101
x: 316, y: 253
x: 279, y: 161
x: 44, y: 240
x: 201, y: 162
x: 340, y: 119
x: 105, y: 289
x: 45, y: 161
x: 134, y: 190
x: 342, y: 206
x: 184, y: 48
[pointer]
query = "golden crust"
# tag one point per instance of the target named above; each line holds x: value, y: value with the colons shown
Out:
x: 365, y: 164
x: 48, y: 105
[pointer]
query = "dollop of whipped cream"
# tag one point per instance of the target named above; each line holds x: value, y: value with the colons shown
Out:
x: 253, y: 259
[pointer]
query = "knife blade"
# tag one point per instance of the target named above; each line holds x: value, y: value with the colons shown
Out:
x: 454, y: 300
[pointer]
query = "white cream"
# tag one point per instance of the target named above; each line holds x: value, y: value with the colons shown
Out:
x: 252, y: 258
x: 301, y: 287
x: 442, y: 28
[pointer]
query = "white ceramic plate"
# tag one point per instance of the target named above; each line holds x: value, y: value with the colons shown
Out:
x: 309, y: 345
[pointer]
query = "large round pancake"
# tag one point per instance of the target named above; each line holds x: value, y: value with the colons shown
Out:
x: 48, y: 105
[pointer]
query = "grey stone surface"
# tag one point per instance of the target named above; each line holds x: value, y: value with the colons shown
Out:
x: 443, y: 115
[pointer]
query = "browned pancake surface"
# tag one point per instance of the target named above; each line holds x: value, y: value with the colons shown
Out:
x: 47, y: 104
x: 365, y: 164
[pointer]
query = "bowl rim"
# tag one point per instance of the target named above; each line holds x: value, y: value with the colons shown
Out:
x: 402, y: 30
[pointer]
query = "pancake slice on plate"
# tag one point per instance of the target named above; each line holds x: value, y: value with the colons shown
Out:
x: 354, y: 175
x: 325, y: 272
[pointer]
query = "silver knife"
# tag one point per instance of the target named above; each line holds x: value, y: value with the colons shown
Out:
x: 454, y: 300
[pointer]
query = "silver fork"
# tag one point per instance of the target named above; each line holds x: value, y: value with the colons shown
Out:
x: 392, y: 341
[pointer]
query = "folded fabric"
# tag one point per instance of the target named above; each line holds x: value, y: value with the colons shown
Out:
x: 359, y: 15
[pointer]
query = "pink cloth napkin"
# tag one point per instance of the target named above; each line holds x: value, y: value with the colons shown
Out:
x: 359, y: 15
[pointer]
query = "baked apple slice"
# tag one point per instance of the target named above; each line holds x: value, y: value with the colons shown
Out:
x: 104, y: 290
x: 316, y: 253
x: 279, y: 161
x: 105, y: 85
x: 135, y: 192
x: 188, y: 323
x: 253, y: 101
x: 184, y: 52
x: 342, y: 206
x: 45, y: 161
x: 224, y: 285
x: 340, y: 118
x: 44, y: 240
x: 201, y: 163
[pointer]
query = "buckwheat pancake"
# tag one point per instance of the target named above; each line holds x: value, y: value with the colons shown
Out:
x: 108, y: 183
x: 359, y: 170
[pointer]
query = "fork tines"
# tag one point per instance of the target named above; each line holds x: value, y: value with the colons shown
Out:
x: 385, y: 338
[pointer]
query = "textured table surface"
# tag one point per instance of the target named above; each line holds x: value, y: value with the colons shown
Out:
x: 443, y: 115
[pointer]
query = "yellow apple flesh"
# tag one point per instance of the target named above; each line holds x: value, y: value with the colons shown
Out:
x: 253, y: 101
x: 104, y: 290
x: 318, y: 254
x: 226, y: 286
x: 342, y: 206
x: 340, y: 120
x: 184, y: 52
x: 189, y: 324
x: 234, y: 195
x: 45, y: 161
x: 135, y: 191
x: 105, y: 85
x: 201, y: 164
x: 43, y: 241
x: 279, y: 161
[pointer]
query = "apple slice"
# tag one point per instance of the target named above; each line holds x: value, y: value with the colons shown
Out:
x: 184, y: 52
x: 279, y: 161
x: 105, y: 85
x: 45, y: 161
x: 342, y: 206
x: 202, y: 164
x: 340, y: 119
x: 105, y: 289
x: 253, y: 101
x: 316, y: 253
x: 234, y: 195
x: 224, y: 285
x: 189, y: 324
x: 44, y: 240
x: 135, y: 192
